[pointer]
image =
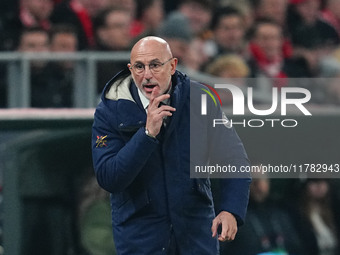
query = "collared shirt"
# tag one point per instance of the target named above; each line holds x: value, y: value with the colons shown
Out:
x: 145, y: 101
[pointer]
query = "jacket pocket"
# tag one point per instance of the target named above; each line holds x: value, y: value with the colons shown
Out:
x: 130, y: 207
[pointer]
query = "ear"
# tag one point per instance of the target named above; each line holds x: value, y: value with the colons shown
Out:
x: 129, y: 66
x: 173, y: 65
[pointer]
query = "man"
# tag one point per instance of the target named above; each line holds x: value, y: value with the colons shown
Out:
x: 33, y: 40
x: 63, y: 39
x: 199, y: 14
x: 80, y: 14
x: 271, y: 54
x: 31, y: 14
x: 307, y: 28
x: 141, y: 155
x: 229, y: 29
x: 149, y: 15
x: 272, y: 9
x: 55, y: 88
x: 111, y: 27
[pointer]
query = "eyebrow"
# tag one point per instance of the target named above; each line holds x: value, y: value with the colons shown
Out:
x: 153, y: 60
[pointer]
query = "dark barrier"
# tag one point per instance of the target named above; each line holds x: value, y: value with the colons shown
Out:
x: 43, y: 160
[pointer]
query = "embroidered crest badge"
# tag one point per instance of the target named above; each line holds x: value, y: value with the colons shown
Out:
x: 101, y: 141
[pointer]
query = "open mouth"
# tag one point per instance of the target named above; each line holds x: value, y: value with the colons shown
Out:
x: 148, y: 88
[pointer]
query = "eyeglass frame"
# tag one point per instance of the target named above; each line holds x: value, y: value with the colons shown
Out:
x: 150, y: 68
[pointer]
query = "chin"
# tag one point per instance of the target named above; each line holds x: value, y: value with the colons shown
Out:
x: 147, y: 95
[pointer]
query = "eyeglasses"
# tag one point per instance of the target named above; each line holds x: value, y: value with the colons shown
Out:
x: 154, y: 66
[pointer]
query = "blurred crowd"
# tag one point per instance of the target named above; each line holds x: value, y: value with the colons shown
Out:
x: 232, y: 39
x: 301, y: 219
x: 271, y: 39
x: 284, y: 217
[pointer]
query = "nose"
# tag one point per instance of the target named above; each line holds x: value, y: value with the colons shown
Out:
x: 147, y: 73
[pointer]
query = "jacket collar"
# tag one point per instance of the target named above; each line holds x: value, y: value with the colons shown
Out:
x: 112, y: 86
x: 117, y: 94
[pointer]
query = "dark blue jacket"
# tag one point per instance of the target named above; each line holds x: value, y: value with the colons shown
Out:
x: 156, y: 207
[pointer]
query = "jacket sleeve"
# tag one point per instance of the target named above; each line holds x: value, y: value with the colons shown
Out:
x: 118, y: 162
x: 227, y: 149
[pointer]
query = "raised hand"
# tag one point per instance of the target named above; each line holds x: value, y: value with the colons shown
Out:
x: 156, y: 114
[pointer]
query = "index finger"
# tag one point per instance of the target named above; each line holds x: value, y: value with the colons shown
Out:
x: 154, y: 93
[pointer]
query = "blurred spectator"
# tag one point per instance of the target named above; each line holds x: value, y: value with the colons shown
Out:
x: 272, y: 9
x: 271, y: 60
x: 317, y: 218
x: 129, y: 5
x: 306, y: 27
x: 63, y: 39
x: 111, y: 28
x: 271, y: 55
x: 268, y: 227
x: 331, y: 14
x: 34, y: 40
x: 31, y: 13
x: 79, y: 13
x: 312, y: 37
x: 149, y: 15
x: 55, y: 85
x: 36, y: 13
x: 229, y: 66
x: 325, y: 87
x: 247, y: 11
x: 267, y: 50
x: 199, y: 13
x: 232, y: 67
x: 229, y: 30
x: 176, y: 31
x: 31, y: 41
x: 112, y: 34
x: 51, y: 82
x: 95, y: 220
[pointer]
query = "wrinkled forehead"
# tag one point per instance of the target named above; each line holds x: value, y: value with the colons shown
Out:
x: 147, y: 51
